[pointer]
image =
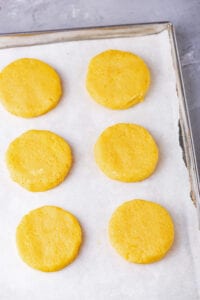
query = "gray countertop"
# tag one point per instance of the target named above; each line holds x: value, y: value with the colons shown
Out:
x: 28, y: 15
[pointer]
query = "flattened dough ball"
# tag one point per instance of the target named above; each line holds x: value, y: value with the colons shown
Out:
x: 126, y: 152
x: 39, y: 160
x: 141, y: 231
x: 48, y: 238
x: 29, y: 87
x: 117, y: 79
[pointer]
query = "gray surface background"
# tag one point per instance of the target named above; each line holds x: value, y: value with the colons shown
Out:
x: 30, y: 15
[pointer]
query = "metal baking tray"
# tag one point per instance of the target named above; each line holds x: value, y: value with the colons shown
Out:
x: 57, y: 36
x: 15, y: 274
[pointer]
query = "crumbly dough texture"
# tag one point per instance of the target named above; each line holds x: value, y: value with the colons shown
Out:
x: 39, y: 160
x: 117, y: 79
x: 48, y: 238
x: 29, y: 87
x: 141, y: 231
x: 126, y: 152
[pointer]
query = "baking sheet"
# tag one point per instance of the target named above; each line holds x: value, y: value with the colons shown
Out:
x: 99, y: 272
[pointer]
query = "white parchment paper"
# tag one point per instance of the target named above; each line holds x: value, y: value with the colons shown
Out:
x: 99, y: 273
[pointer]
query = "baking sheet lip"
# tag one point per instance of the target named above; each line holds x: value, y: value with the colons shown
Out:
x: 186, y: 126
x: 116, y: 26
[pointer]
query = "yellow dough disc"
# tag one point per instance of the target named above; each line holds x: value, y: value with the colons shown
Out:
x: 126, y: 152
x: 38, y: 160
x: 48, y: 238
x: 29, y: 87
x: 117, y: 79
x: 141, y: 231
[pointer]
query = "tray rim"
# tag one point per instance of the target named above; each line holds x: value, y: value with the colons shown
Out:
x: 31, y: 38
x: 11, y: 40
x: 185, y: 126
x: 115, y: 26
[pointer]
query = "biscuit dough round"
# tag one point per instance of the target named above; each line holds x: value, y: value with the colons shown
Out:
x: 48, y: 238
x: 126, y: 152
x: 29, y: 87
x: 141, y: 231
x: 117, y: 79
x: 39, y: 160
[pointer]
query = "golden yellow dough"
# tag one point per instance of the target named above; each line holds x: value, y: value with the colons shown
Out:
x: 48, y: 238
x: 39, y: 160
x: 141, y: 231
x: 29, y: 87
x: 117, y: 79
x: 126, y: 152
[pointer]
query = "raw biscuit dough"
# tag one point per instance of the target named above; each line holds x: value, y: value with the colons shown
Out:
x: 48, y: 238
x: 39, y: 160
x: 117, y: 79
x: 126, y: 152
x: 141, y: 231
x: 29, y: 87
